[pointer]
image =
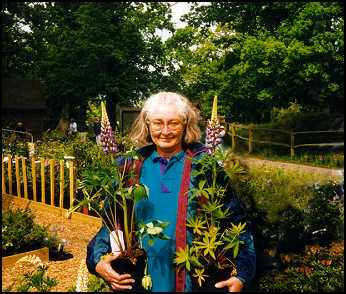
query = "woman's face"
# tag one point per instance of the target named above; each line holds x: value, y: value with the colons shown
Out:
x: 166, y: 129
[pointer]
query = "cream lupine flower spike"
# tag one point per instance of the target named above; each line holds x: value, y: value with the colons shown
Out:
x: 82, y: 278
x: 215, y: 131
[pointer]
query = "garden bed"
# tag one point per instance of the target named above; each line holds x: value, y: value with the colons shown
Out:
x: 79, y: 234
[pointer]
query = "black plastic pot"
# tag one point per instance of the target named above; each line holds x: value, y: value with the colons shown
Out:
x: 215, y: 275
x: 132, y: 263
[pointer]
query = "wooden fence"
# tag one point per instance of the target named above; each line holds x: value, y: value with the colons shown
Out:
x: 291, y: 134
x: 17, y: 167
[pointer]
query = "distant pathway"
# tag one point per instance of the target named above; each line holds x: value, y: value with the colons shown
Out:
x: 337, y: 174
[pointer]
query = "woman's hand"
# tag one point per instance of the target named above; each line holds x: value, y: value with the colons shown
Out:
x: 234, y: 284
x: 117, y: 281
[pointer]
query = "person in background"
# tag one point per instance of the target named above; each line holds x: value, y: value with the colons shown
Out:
x: 167, y: 126
x: 72, y: 130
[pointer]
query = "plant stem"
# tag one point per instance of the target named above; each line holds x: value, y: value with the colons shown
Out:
x: 132, y: 218
x: 126, y: 229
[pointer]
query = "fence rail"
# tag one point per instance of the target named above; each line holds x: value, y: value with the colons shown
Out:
x: 232, y: 131
x: 21, y: 175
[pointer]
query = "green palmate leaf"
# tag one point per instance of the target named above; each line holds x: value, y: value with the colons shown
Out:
x: 183, y: 257
x: 210, y: 207
x: 200, y: 191
x: 200, y: 276
x: 208, y: 244
x: 220, y: 214
x: 194, y: 261
x: 239, y: 229
x: 197, y: 224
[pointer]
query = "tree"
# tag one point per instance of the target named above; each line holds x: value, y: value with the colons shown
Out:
x: 22, y: 50
x: 291, y: 52
x: 92, y: 48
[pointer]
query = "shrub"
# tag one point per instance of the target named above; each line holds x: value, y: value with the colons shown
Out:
x: 13, y: 145
x: 282, y: 113
x: 324, y: 213
x: 287, y: 210
x: 315, y: 270
x: 96, y: 284
x: 20, y: 233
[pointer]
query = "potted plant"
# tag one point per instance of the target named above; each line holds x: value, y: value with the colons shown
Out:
x: 215, y: 243
x: 116, y: 182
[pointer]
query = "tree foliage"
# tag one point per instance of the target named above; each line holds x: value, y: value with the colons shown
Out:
x: 253, y: 55
x: 263, y: 55
x: 90, y: 48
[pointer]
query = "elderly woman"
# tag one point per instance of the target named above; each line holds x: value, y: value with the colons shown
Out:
x: 168, y: 128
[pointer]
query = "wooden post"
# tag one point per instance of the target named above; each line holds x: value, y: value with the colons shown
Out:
x: 233, y: 135
x: 292, y: 142
x: 25, y: 178
x: 250, y: 137
x: 9, y: 172
x: 43, y: 184
x: 61, y: 203
x: 3, y: 175
x: 33, y: 172
x: 52, y: 181
x: 19, y: 194
x: 70, y: 165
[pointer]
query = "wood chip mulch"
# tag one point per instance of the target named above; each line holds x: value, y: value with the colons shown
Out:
x: 66, y: 271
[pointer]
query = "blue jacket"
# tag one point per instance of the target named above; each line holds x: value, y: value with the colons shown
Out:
x: 246, y: 259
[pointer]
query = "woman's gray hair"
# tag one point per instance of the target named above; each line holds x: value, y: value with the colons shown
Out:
x: 140, y: 133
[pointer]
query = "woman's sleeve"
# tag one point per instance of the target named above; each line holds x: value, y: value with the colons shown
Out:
x: 246, y: 259
x: 100, y: 244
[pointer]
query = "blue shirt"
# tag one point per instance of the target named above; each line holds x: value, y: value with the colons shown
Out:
x: 162, y: 205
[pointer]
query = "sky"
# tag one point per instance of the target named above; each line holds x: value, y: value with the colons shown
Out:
x: 178, y: 9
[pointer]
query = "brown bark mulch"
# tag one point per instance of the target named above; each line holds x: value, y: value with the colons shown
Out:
x: 65, y: 271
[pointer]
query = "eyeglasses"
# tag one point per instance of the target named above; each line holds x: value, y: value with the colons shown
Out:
x: 173, y: 125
